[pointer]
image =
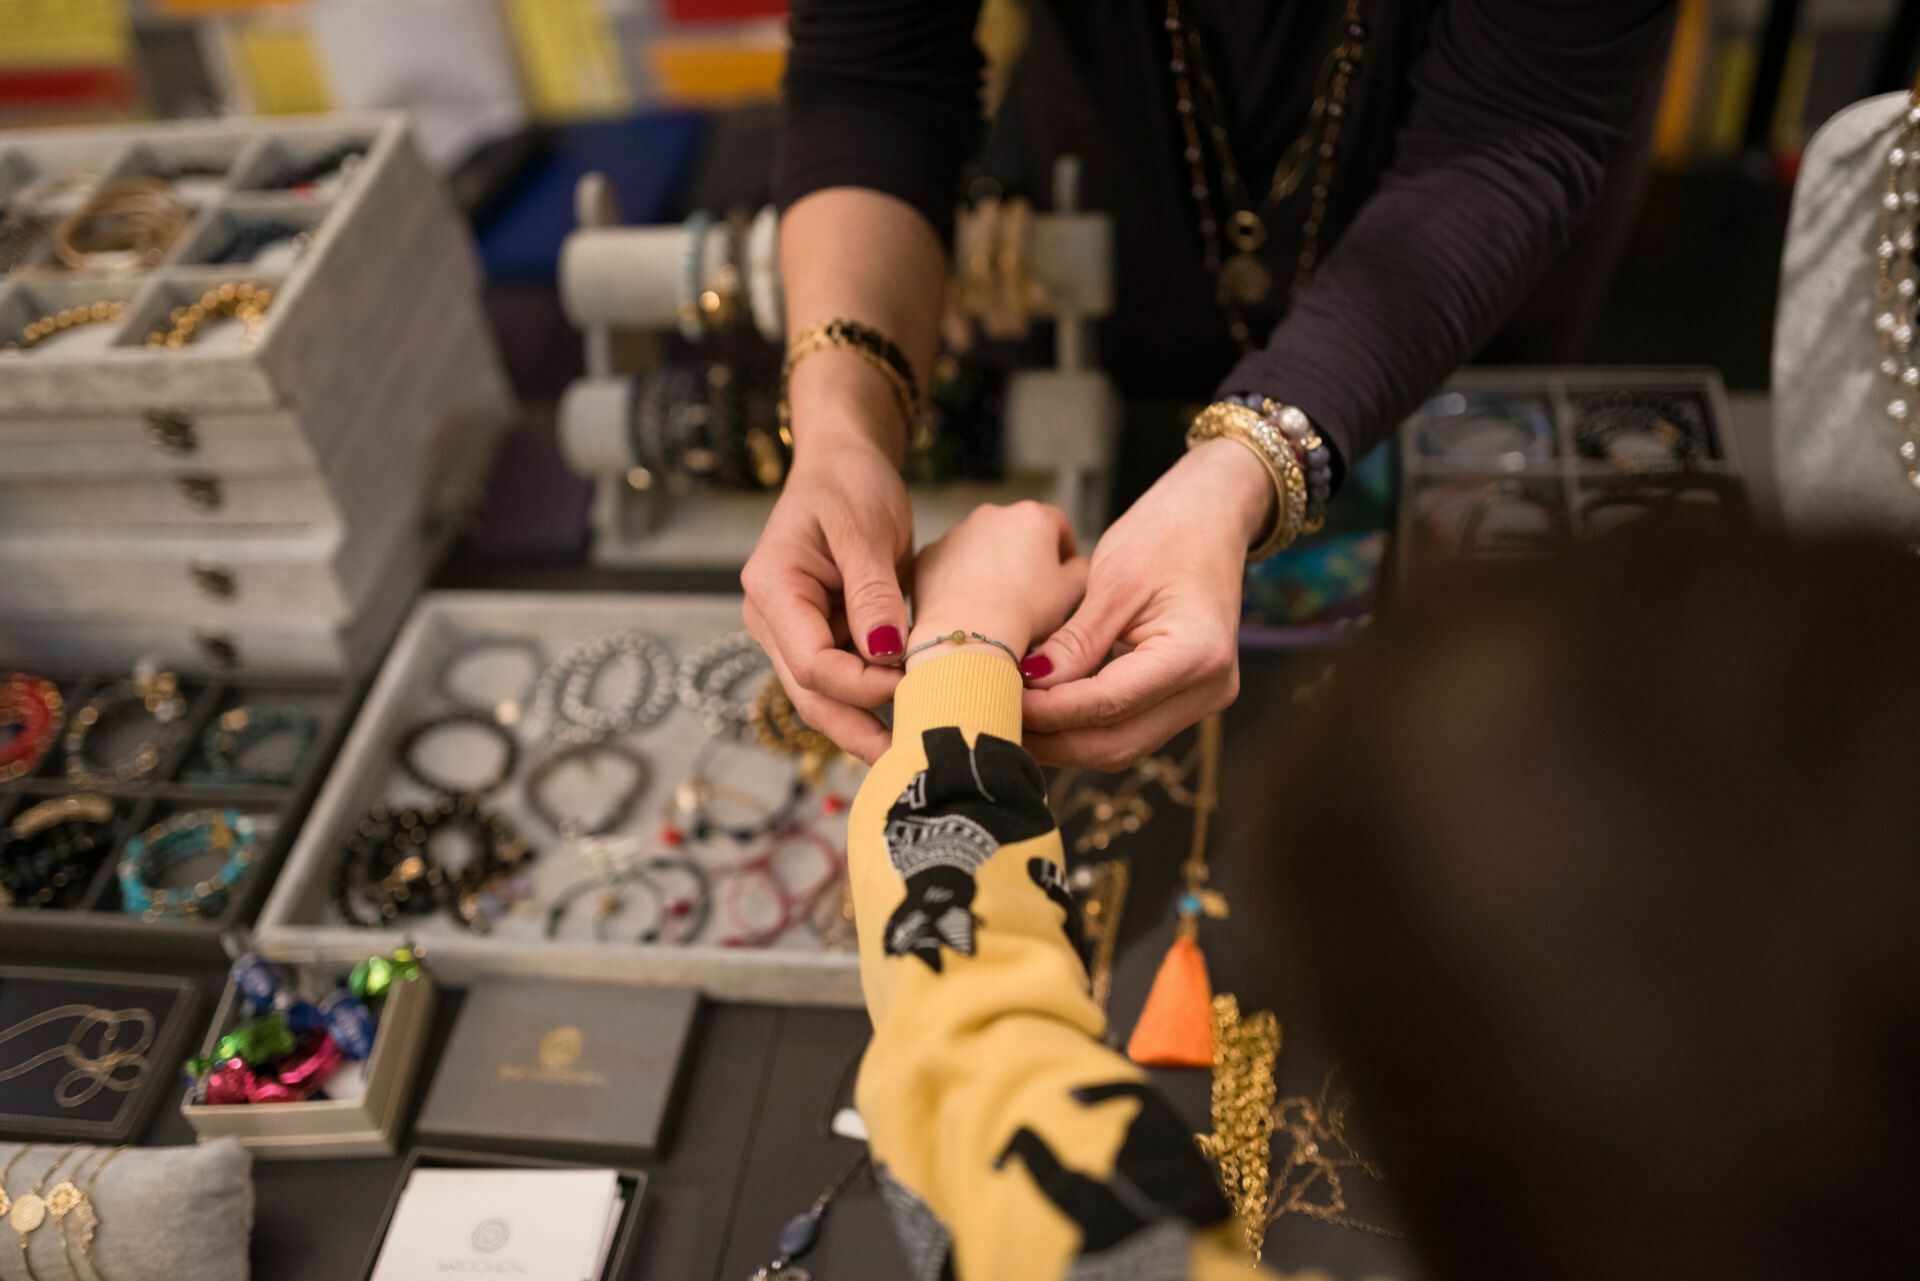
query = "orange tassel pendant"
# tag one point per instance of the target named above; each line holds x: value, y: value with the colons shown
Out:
x: 1176, y: 1025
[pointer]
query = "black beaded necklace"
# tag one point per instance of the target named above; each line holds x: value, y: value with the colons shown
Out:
x: 1242, y: 278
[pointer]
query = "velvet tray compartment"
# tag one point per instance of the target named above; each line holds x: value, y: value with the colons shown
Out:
x: 1513, y: 464
x: 103, y: 1049
x: 96, y: 925
x: 360, y: 1122
x: 621, y: 1258
x: 303, y: 914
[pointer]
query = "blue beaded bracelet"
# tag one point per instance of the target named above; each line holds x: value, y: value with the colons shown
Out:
x: 177, y: 839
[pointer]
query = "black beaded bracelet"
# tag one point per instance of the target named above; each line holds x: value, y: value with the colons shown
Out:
x: 410, y: 747
x: 614, y: 817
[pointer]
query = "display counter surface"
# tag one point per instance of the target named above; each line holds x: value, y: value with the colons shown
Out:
x: 748, y: 1149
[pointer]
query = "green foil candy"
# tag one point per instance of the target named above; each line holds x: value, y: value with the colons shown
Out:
x: 374, y: 977
x: 257, y: 1042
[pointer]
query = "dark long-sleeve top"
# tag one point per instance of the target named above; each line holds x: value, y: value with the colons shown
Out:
x: 1479, y: 135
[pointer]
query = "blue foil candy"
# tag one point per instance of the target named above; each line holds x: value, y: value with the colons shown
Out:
x: 258, y: 981
x: 350, y: 1023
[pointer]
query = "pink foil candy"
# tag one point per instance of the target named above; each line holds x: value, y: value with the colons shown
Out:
x: 309, y: 1067
x: 231, y: 1082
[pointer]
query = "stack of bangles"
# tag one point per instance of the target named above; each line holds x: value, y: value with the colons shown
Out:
x: 1297, y: 461
x: 877, y: 350
x: 33, y: 709
x: 150, y: 855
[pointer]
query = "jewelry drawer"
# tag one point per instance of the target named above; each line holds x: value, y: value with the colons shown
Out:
x: 188, y: 500
x: 158, y: 442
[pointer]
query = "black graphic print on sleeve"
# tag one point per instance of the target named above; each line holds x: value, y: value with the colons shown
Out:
x: 951, y: 818
x: 1158, y: 1176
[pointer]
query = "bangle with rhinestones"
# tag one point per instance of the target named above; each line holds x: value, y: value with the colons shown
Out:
x: 1224, y: 420
x: 33, y: 709
x: 184, y: 836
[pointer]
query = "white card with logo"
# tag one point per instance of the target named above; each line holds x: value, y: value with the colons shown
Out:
x: 540, y: 1225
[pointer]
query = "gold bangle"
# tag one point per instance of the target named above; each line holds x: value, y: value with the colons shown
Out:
x: 126, y: 226
x: 871, y: 346
x: 1222, y: 420
x: 242, y: 300
x: 57, y: 322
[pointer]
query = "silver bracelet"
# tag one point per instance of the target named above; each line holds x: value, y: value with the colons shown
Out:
x: 958, y: 637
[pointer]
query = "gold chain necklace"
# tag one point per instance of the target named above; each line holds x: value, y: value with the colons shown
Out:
x: 1242, y: 279
x: 1245, y: 1050
x: 91, y: 1073
x: 1310, y: 1179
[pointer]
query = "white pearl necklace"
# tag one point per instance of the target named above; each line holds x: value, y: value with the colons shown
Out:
x: 1896, y: 286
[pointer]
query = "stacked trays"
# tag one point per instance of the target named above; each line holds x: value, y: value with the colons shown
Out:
x: 1514, y: 464
x: 262, y: 495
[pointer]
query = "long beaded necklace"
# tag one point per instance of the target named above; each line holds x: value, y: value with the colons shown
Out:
x: 1897, y: 284
x: 1241, y: 278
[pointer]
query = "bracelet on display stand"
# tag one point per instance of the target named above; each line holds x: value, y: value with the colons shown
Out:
x: 764, y: 289
x: 561, y: 697
x: 149, y: 855
x: 34, y: 710
x: 722, y: 297
x: 410, y: 743
x: 52, y: 851
x: 239, y: 730
x: 693, y: 806
x: 388, y: 863
x: 507, y: 711
x: 709, y: 676
x: 687, y: 914
x: 693, y: 272
x: 158, y: 698
x: 614, y: 816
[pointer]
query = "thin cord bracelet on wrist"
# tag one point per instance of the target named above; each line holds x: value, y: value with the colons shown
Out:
x: 959, y: 637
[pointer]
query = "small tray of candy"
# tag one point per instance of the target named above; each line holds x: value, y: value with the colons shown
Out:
x: 1514, y: 464
x: 142, y: 815
x: 581, y: 786
x: 313, y: 1060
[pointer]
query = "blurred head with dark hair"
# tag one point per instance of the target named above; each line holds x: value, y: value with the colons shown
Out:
x: 1607, y: 875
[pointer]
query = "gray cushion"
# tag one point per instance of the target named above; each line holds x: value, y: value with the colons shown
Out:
x: 164, y: 1213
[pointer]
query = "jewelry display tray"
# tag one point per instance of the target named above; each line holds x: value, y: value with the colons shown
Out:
x: 300, y: 921
x: 174, y: 1027
x: 96, y: 927
x: 1566, y: 485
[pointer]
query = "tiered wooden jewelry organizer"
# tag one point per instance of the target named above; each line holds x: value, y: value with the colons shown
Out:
x: 1060, y: 426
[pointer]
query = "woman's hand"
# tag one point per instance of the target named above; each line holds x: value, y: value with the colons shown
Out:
x: 829, y: 566
x: 1009, y: 573
x: 1164, y: 592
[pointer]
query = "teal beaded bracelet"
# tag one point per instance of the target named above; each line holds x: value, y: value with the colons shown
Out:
x: 175, y: 840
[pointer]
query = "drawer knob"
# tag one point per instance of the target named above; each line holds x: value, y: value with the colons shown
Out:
x: 171, y: 431
x: 202, y: 493
x: 218, y: 646
x: 215, y: 580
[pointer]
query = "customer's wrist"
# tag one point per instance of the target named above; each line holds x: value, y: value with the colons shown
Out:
x: 997, y: 620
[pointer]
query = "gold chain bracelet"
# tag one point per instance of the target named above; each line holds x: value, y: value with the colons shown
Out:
x: 58, y: 322
x: 871, y: 346
x: 243, y: 300
x: 1223, y: 420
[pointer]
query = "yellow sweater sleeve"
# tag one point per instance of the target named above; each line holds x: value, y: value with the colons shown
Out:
x: 1010, y: 1141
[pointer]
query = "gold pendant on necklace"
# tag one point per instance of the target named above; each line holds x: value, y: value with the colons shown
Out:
x: 1244, y: 280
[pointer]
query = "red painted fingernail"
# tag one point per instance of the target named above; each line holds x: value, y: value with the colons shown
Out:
x: 884, y: 642
x: 1034, y: 666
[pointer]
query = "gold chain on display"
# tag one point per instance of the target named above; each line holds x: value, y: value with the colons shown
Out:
x: 1897, y: 284
x: 1320, y: 1153
x: 1245, y: 1052
x: 1102, y: 892
x: 58, y: 322
x: 242, y: 300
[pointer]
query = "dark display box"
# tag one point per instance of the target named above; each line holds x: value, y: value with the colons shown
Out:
x: 110, y: 1044
x: 97, y: 926
x: 590, y: 1070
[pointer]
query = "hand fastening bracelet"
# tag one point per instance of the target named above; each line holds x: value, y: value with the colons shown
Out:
x: 959, y: 637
